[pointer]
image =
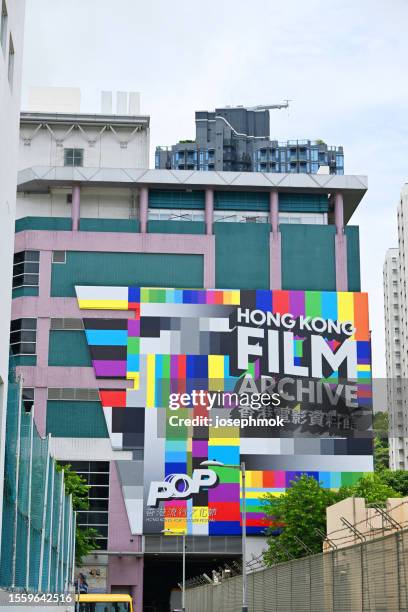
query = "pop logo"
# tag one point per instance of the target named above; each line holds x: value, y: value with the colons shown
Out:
x: 180, y: 486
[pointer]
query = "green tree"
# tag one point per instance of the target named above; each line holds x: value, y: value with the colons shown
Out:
x: 380, y: 424
x: 76, y: 486
x: 300, y: 510
x: 372, y: 487
x: 381, y: 454
x: 381, y: 446
x: 397, y: 479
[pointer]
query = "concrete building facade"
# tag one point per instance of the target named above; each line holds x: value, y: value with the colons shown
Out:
x: 402, y: 217
x: 392, y: 296
x: 396, y: 338
x: 369, y: 522
x: 116, y: 224
x: 11, y: 47
x: 156, y: 228
x: 238, y: 140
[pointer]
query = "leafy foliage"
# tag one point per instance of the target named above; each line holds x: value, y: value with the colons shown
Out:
x: 381, y: 454
x: 372, y: 487
x: 381, y: 446
x: 397, y: 479
x: 76, y: 486
x: 302, y: 509
x: 380, y: 424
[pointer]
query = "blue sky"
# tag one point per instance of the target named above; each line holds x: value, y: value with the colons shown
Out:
x: 342, y: 63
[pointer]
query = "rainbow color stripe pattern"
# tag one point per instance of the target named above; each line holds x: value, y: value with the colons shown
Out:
x: 169, y: 341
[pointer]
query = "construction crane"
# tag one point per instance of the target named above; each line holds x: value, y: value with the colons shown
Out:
x: 262, y: 107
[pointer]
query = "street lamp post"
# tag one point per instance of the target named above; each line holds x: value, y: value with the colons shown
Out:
x: 183, y: 590
x: 214, y: 463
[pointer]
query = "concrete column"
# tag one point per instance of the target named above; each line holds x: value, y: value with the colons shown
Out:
x: 339, y: 212
x: 42, y: 342
x: 209, y: 211
x: 209, y: 263
x: 275, y: 246
x: 274, y: 211
x: 45, y: 274
x: 137, y: 590
x: 340, y: 244
x: 76, y: 207
x: 40, y: 409
x: 144, y: 206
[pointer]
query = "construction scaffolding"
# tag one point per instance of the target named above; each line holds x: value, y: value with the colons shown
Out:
x: 367, y: 577
x: 38, y: 531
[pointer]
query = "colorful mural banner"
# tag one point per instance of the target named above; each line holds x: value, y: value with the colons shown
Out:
x: 186, y: 354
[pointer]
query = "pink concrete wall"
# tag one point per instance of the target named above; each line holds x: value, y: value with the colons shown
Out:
x: 340, y: 244
x: 275, y: 260
x: 341, y: 262
x: 123, y: 570
x: 45, y: 307
x: 179, y: 244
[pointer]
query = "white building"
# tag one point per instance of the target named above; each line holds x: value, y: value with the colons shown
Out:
x: 84, y: 144
x: 393, y: 358
x: 11, y: 46
x: 396, y: 335
x: 84, y: 140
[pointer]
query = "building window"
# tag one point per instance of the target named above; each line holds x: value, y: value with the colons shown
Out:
x: 173, y: 214
x: 66, y: 324
x: 11, y: 62
x: 241, y: 217
x: 26, y: 269
x: 73, y: 157
x: 96, y: 476
x: 305, y: 218
x: 70, y: 394
x: 3, y: 26
x: 23, y: 333
x: 28, y: 399
x: 58, y: 257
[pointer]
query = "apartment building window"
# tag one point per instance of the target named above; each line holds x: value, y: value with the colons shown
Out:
x: 26, y: 269
x: 70, y: 394
x: 23, y: 334
x: 66, y: 324
x: 96, y: 476
x: 58, y: 257
x: 28, y: 399
x: 3, y: 25
x: 73, y: 157
x: 173, y: 214
x: 11, y: 62
x: 241, y: 217
x: 306, y: 218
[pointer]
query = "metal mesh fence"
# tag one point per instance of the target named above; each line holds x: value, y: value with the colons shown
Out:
x: 366, y: 577
x: 38, y: 522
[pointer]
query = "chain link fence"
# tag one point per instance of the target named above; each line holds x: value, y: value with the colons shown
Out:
x: 38, y: 531
x: 366, y: 577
